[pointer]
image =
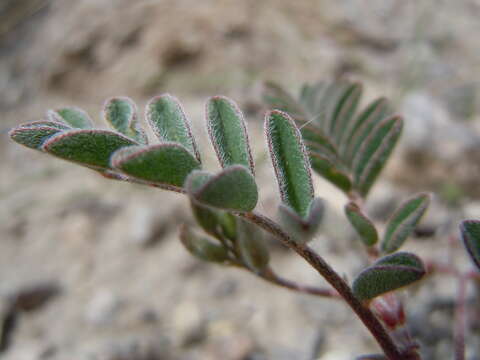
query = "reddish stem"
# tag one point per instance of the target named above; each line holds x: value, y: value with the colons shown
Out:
x: 336, y: 281
x: 270, y: 276
x: 460, y: 323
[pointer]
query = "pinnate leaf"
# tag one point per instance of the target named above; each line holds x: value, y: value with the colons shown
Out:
x: 470, y: 230
x: 121, y: 114
x: 203, y: 248
x: 91, y: 148
x: 169, y: 122
x: 362, y: 224
x: 301, y: 229
x: 403, y: 222
x: 388, y: 274
x: 167, y: 163
x: 75, y: 117
x: 228, y: 133
x: 233, y: 189
x: 290, y: 161
x: 251, y: 246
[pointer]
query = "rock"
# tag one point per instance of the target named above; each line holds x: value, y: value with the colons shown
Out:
x: 428, y: 128
x: 102, y: 309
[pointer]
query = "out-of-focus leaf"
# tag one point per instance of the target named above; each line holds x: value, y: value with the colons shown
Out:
x: 380, y: 137
x: 388, y: 274
x: 91, y: 148
x: 301, y: 229
x: 372, y: 357
x: 232, y: 189
x: 228, y: 133
x: 121, y: 114
x: 363, y: 125
x: 33, y: 136
x: 345, y: 110
x: 470, y: 230
x: 167, y: 163
x: 75, y: 117
x: 168, y: 121
x: 403, y: 222
x: 324, y: 167
x: 202, y: 247
x: 290, y: 161
x: 251, y: 246
x: 279, y: 99
x: 362, y: 224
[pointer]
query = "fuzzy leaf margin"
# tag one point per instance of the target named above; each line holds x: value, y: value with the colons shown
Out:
x: 228, y: 133
x: 403, y: 221
x: 387, y: 274
x: 233, y: 189
x: 91, y: 148
x: 290, y: 161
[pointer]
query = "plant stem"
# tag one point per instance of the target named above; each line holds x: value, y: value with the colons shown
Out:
x: 317, y: 262
x: 273, y: 278
x: 460, y: 319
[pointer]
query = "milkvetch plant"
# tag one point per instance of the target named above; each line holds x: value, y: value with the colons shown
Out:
x: 321, y: 130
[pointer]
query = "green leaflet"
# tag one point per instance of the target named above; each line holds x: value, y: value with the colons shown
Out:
x: 202, y: 247
x: 33, y: 136
x: 121, y: 114
x: 377, y: 138
x: 379, y: 159
x: 290, y: 161
x: 323, y: 166
x: 75, y: 117
x: 345, y: 110
x: 403, y: 222
x: 47, y: 123
x: 228, y: 133
x: 91, y: 148
x: 280, y: 99
x: 301, y: 229
x: 251, y: 246
x: 362, y: 224
x: 363, y: 125
x: 232, y: 189
x: 167, y: 163
x: 388, y: 274
x: 470, y: 230
x: 168, y: 121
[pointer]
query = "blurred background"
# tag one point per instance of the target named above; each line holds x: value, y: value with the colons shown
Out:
x: 92, y: 269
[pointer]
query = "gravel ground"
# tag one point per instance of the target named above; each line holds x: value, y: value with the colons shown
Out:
x: 95, y: 267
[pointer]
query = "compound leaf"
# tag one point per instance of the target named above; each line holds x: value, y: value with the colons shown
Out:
x: 403, y: 222
x: 73, y: 116
x: 470, y: 230
x: 388, y: 274
x: 121, y: 114
x: 290, y: 161
x: 232, y: 189
x: 167, y: 163
x: 362, y: 224
x: 228, y: 133
x: 168, y: 121
x: 91, y: 148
